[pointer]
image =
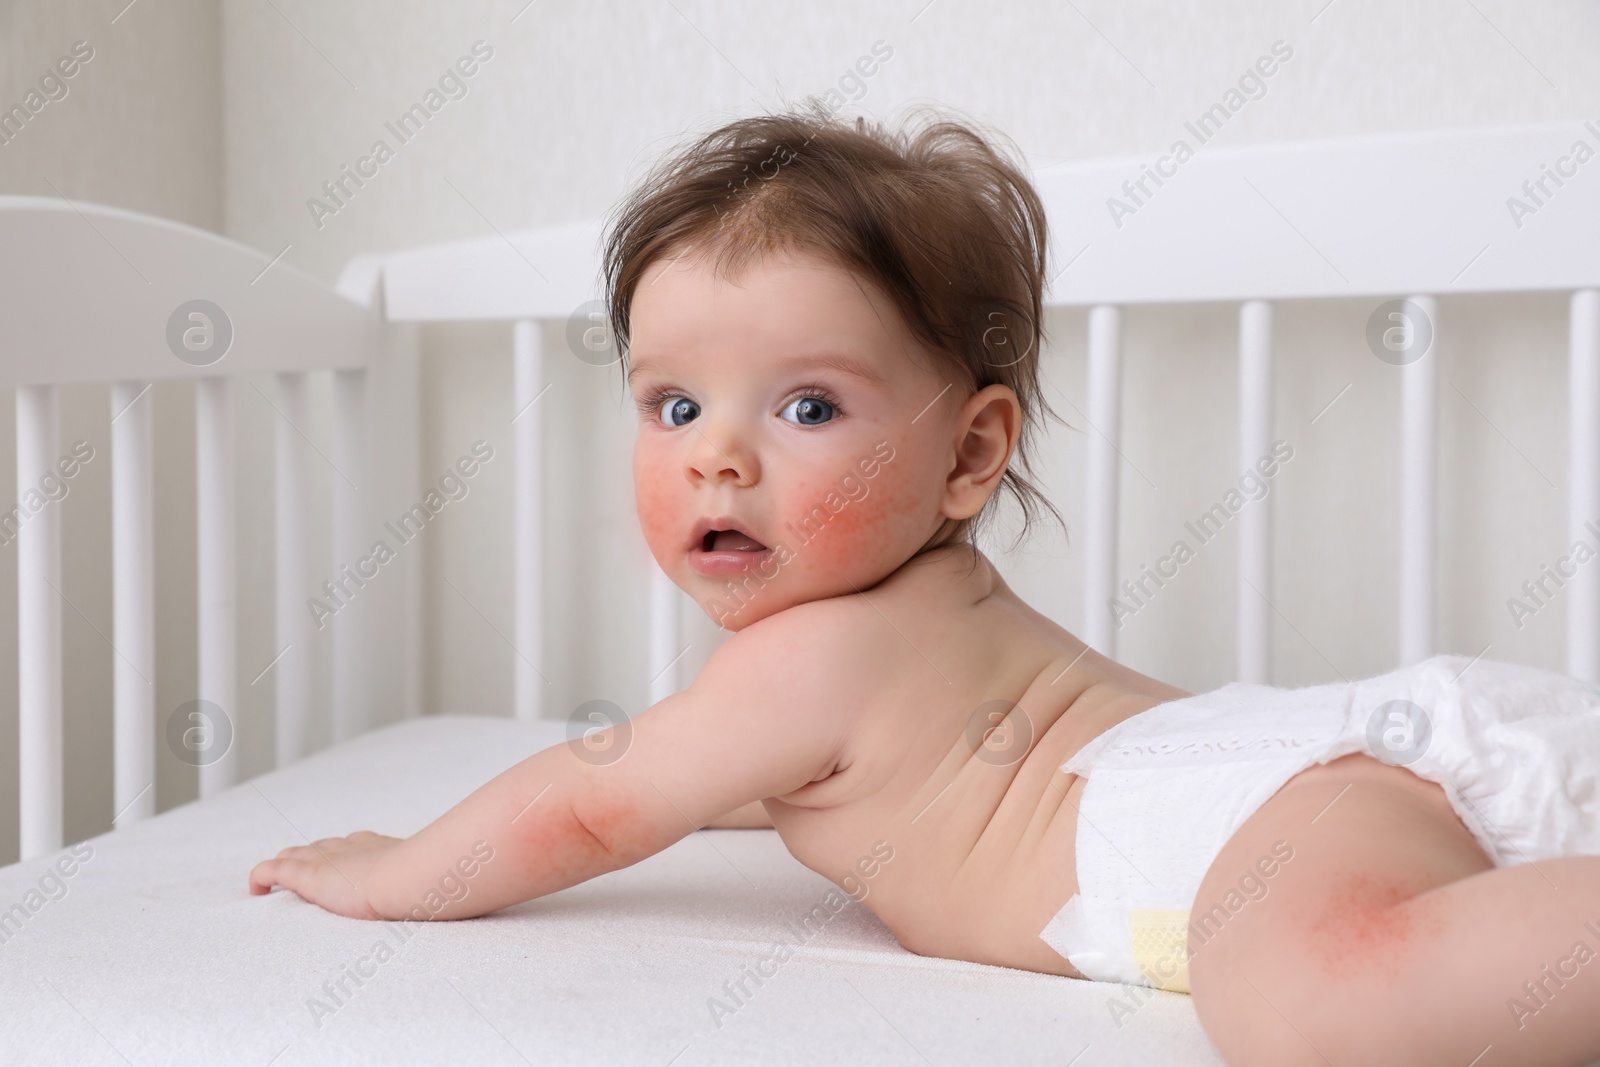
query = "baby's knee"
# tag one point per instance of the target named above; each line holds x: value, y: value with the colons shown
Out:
x: 1253, y: 1026
x: 1271, y: 1003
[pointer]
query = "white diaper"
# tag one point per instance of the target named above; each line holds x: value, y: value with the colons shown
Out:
x: 1516, y: 749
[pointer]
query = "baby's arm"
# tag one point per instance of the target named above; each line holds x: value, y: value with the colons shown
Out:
x: 755, y: 724
x: 753, y: 816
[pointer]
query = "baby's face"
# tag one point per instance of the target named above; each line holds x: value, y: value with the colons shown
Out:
x: 764, y: 476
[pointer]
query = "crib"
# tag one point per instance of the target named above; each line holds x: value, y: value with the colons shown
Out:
x: 94, y: 294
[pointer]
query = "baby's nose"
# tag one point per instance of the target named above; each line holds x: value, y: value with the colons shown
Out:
x: 721, y: 456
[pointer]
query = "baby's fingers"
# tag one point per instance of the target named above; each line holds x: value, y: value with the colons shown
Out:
x: 317, y: 880
x: 332, y: 844
x: 280, y: 871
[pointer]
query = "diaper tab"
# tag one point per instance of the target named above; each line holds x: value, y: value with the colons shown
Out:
x: 1160, y: 939
x: 1107, y: 941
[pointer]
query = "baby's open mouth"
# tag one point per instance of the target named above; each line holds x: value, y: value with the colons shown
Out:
x: 723, y: 549
x: 730, y: 541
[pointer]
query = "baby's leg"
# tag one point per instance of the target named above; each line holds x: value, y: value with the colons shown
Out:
x: 1389, y: 937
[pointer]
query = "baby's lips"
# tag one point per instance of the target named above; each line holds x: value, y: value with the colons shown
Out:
x: 734, y: 541
x: 723, y: 528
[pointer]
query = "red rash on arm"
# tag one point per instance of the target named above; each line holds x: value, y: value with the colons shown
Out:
x: 528, y: 815
x: 556, y: 849
x: 614, y: 823
x: 596, y: 834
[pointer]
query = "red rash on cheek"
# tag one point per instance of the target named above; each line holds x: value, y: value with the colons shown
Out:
x: 843, y: 537
x: 861, y: 530
x: 654, y: 500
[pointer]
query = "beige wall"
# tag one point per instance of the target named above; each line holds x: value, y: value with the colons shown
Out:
x: 231, y: 115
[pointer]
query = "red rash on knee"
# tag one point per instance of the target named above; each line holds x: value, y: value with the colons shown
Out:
x: 1368, y: 924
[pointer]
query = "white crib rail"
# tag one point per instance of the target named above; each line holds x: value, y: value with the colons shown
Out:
x: 1255, y: 522
x: 1583, y: 481
x: 218, y: 622
x: 1419, y: 389
x: 1104, y: 464
x: 87, y: 294
x: 38, y: 631
x: 1400, y: 216
x: 527, y: 418
x: 133, y: 602
x: 293, y: 569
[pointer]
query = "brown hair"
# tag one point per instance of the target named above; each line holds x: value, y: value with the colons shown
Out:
x: 948, y: 227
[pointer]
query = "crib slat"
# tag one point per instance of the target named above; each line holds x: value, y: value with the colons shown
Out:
x: 38, y: 535
x: 292, y: 582
x: 217, y: 623
x: 133, y: 603
x: 528, y: 426
x: 402, y: 466
x: 1100, y: 530
x: 1255, y: 522
x: 1418, y: 467
x: 1583, y: 463
x: 664, y: 635
x: 350, y: 641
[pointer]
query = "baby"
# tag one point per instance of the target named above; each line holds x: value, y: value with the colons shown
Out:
x: 832, y: 336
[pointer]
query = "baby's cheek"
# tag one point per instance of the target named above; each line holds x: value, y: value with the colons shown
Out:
x: 868, y: 525
x: 852, y: 531
x: 655, y: 499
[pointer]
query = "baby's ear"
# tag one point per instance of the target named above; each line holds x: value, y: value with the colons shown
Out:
x: 986, y: 434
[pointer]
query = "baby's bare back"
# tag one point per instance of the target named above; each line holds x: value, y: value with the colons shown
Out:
x: 947, y: 813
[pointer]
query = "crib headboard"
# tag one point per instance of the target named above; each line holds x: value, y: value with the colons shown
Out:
x: 94, y: 294
x: 1404, y: 217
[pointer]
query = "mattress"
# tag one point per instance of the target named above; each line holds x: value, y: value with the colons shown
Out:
x: 153, y: 952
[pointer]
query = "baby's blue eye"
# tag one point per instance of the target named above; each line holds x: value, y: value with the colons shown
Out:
x: 676, y: 408
x: 810, y: 411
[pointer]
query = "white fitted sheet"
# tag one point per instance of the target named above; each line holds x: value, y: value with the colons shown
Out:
x: 157, y: 954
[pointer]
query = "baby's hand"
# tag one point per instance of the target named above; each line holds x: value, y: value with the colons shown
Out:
x: 332, y: 873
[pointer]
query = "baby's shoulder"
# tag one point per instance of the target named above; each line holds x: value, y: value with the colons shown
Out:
x: 836, y: 630
x: 810, y: 668
x: 859, y: 643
